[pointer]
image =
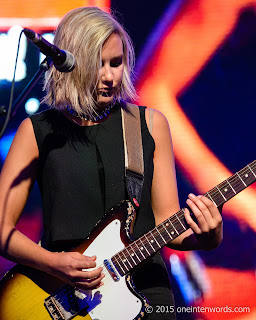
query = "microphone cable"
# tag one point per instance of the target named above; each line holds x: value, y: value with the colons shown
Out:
x: 8, y: 113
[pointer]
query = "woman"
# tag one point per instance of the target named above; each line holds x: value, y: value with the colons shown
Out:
x: 75, y: 152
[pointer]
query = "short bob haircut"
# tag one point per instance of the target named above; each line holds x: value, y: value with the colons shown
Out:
x: 82, y: 32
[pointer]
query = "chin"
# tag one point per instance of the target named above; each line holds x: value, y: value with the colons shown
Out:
x: 104, y: 101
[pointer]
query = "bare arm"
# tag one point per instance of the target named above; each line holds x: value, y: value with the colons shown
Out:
x: 207, y: 232
x: 16, y: 180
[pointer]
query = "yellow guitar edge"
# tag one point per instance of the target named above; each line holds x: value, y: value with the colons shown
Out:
x: 21, y: 298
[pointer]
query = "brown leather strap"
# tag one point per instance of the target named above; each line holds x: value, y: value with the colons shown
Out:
x: 134, y: 163
x: 132, y: 139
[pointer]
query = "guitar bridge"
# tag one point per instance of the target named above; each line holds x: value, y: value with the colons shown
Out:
x: 65, y: 303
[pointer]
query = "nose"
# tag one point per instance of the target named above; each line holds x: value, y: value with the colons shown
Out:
x: 107, y: 74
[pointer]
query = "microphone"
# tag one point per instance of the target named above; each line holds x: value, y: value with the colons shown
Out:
x: 63, y: 61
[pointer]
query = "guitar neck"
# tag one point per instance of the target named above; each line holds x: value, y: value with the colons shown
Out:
x: 171, y: 228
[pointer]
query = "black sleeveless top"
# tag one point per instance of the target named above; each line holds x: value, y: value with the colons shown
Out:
x: 81, y: 175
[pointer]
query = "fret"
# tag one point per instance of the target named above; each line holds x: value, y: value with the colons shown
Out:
x: 165, y: 242
x: 177, y: 225
x: 130, y: 256
x: 216, y: 196
x: 153, y: 240
x: 139, y: 250
x: 173, y: 227
x: 251, y: 170
x: 167, y: 225
x: 181, y: 223
x: 247, y: 175
x: 117, y: 260
x: 209, y: 196
x: 182, y: 218
x: 227, y: 190
x: 164, y: 232
x: 117, y: 265
x: 163, y: 225
x: 150, y: 244
x: 221, y: 194
x: 143, y: 246
x: 236, y: 182
x: 172, y: 232
x: 231, y: 187
x: 241, y: 179
x: 170, y: 226
x: 133, y: 255
x: 126, y: 259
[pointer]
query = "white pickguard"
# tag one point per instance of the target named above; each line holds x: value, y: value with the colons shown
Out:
x: 113, y: 300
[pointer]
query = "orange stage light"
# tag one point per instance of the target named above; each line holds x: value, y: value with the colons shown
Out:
x: 197, y: 31
x: 40, y: 14
x: 191, y: 40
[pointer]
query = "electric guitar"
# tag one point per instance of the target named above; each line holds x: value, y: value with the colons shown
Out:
x: 29, y: 294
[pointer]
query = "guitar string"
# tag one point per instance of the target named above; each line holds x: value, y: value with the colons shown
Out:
x: 106, y: 280
x: 235, y: 180
x: 71, y: 289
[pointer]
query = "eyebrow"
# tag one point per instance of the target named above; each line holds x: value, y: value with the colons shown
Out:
x: 117, y: 57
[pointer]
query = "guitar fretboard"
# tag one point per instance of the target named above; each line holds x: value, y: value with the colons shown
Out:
x: 142, y: 248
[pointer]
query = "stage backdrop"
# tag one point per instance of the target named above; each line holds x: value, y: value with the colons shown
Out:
x: 196, y: 63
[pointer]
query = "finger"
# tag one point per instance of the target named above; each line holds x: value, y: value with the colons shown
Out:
x: 207, y: 215
x: 92, y: 258
x: 92, y: 274
x: 95, y: 279
x: 90, y: 283
x: 211, y: 213
x: 202, y: 210
x: 192, y: 224
x: 198, y: 214
x: 85, y: 262
x: 215, y: 211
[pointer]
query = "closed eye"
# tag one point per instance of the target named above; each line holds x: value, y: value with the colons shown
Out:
x: 116, y: 62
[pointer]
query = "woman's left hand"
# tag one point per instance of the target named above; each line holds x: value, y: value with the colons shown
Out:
x: 208, y: 228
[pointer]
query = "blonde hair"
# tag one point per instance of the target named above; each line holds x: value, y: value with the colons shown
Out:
x: 83, y: 32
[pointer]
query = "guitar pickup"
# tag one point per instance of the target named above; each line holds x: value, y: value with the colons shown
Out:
x: 111, y: 270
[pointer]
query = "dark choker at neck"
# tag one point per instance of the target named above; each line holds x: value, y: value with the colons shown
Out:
x: 100, y: 113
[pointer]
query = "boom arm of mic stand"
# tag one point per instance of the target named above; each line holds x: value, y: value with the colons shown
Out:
x: 44, y: 66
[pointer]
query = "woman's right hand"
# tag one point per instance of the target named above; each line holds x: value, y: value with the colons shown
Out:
x: 71, y: 267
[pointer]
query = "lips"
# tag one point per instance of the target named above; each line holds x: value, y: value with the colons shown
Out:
x: 106, y: 92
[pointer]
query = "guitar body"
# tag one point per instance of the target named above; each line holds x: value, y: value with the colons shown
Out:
x: 28, y: 294
x: 23, y: 290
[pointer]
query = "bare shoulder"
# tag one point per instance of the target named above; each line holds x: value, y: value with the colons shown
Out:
x: 160, y: 129
x: 25, y: 138
x: 159, y: 121
x: 26, y: 127
x: 23, y: 149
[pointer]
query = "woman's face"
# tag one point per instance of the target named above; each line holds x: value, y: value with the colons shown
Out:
x: 111, y: 72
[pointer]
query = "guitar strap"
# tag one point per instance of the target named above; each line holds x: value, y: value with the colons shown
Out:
x: 133, y: 152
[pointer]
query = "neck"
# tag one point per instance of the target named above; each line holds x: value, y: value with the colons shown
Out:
x: 83, y: 122
x: 98, y: 116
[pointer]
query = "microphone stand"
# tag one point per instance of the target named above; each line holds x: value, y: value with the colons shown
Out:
x: 44, y: 66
